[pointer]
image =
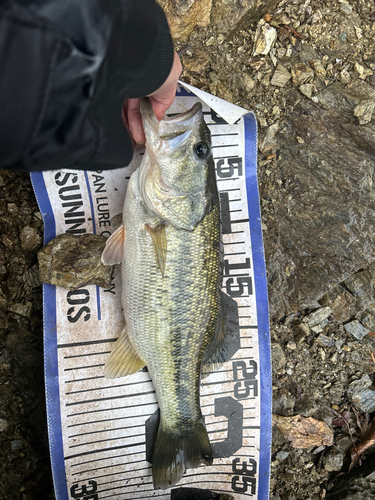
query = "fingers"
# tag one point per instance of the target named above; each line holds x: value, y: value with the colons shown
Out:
x: 160, y: 100
x: 163, y: 97
x: 133, y: 120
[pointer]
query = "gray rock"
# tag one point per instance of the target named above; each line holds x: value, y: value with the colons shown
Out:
x: 325, y: 341
x: 25, y: 309
x: 30, y: 239
x: 356, y: 329
x: 281, y: 76
x: 301, y: 73
x: 228, y: 17
x: 364, y: 111
x: 307, y: 89
x: 282, y: 455
x: 333, y: 460
x: 317, y: 317
x: 362, y: 393
x: 278, y: 356
x: 322, y: 216
x: 342, y: 303
x: 72, y: 261
x: 16, y: 444
x: 268, y: 143
x: 3, y: 424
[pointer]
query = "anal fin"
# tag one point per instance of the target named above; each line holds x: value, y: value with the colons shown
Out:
x: 123, y: 360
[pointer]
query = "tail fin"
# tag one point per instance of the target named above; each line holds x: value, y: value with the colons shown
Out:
x: 174, y: 453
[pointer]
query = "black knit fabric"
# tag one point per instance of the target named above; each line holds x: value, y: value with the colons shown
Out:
x: 65, y: 69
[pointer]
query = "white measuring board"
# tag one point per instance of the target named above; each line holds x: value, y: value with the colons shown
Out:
x: 100, y: 430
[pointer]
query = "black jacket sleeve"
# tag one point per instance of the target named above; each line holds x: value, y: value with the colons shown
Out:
x: 66, y: 67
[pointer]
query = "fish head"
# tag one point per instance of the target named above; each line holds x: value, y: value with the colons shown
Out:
x: 177, y: 178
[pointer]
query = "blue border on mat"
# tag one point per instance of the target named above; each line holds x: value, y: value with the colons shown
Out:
x: 261, y: 305
x: 51, y: 372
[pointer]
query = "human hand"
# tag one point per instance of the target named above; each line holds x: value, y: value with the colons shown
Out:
x: 160, y: 100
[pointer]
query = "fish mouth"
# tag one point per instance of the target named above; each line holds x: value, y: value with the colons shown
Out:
x: 170, y: 126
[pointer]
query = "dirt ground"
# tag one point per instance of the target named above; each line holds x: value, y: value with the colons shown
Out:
x: 314, y: 359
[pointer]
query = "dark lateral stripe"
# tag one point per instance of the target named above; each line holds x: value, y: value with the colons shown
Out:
x: 110, y: 409
x: 69, y: 457
x: 228, y: 179
x: 101, y: 459
x: 227, y: 190
x: 122, y: 396
x: 252, y: 327
x: 235, y: 253
x: 117, y: 438
x: 91, y: 342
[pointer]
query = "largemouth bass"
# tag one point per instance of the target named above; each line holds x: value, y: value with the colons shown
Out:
x: 169, y: 248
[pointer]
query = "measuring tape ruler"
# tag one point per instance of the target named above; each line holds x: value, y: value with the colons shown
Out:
x: 99, y: 429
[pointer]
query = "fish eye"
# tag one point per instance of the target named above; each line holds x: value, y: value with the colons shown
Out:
x: 202, y: 150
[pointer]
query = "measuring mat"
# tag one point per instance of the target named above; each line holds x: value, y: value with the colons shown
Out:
x: 101, y: 430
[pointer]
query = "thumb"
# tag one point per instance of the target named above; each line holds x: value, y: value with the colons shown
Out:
x: 160, y: 105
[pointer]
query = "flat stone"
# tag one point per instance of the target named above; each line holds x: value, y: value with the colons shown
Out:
x: 278, y: 356
x: 307, y: 89
x: 72, y: 261
x: 3, y: 424
x: 362, y: 393
x: 317, y: 317
x: 281, y: 76
x: 364, y: 111
x: 30, y: 239
x: 301, y: 73
x: 25, y: 309
x: 268, y: 143
x: 333, y: 460
x: 342, y: 303
x: 265, y: 37
x: 356, y: 329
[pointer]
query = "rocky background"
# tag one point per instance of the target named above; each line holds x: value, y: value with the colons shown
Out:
x: 307, y: 69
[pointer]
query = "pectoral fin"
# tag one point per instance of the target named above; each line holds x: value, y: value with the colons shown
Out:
x: 159, y: 241
x: 123, y: 360
x: 113, y: 252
